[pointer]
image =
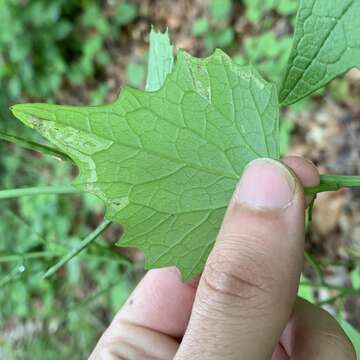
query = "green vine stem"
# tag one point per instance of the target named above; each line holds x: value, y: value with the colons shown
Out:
x: 343, y: 290
x: 333, y: 183
x: 77, y: 249
x: 39, y: 190
x: 316, y: 266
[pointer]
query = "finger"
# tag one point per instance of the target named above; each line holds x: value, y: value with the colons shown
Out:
x: 313, y: 334
x: 280, y: 353
x: 306, y: 171
x: 128, y: 341
x: 248, y: 288
x: 161, y: 304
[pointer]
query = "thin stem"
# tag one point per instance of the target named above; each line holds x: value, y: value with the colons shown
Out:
x: 332, y: 299
x: 343, y: 290
x: 333, y: 183
x: 77, y: 249
x: 31, y: 145
x: 39, y: 190
x: 316, y: 266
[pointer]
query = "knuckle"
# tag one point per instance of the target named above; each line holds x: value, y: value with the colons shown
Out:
x: 121, y: 345
x: 126, y: 350
x: 221, y: 278
x: 239, y: 271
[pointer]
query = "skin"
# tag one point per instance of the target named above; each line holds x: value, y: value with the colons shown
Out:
x: 244, y: 305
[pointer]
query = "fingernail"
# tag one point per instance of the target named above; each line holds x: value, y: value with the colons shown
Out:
x: 266, y: 183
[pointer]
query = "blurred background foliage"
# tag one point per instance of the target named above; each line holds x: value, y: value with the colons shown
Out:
x: 82, y: 52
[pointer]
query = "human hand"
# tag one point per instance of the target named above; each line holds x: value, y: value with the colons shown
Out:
x: 244, y: 306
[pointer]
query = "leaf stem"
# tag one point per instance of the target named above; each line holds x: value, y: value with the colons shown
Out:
x: 316, y: 266
x: 77, y: 249
x: 338, y: 296
x: 333, y: 183
x: 39, y: 190
x: 341, y: 289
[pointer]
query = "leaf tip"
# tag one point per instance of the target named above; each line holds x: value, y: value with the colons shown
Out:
x: 32, y: 114
x: 20, y: 113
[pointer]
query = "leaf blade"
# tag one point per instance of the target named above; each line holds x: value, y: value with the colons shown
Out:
x: 166, y: 162
x: 161, y: 59
x: 326, y: 45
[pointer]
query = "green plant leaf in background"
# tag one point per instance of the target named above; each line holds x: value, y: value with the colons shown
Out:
x: 220, y: 9
x: 255, y: 10
x: 135, y: 74
x: 269, y: 52
x: 125, y: 13
x: 326, y: 44
x: 355, y: 278
x: 286, y: 128
x: 305, y: 291
x: 200, y: 26
x: 161, y: 60
x: 167, y: 162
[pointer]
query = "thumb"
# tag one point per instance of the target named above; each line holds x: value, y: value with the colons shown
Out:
x: 249, y: 285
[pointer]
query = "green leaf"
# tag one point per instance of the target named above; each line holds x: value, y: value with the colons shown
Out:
x: 270, y: 54
x: 326, y: 44
x: 135, y: 74
x: 255, y: 10
x: 286, y: 128
x: 221, y: 38
x: 355, y: 278
x: 166, y: 162
x: 220, y: 9
x: 200, y: 27
x: 161, y: 59
x: 305, y: 291
x: 125, y: 13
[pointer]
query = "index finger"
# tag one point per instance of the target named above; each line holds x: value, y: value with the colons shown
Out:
x: 161, y: 302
